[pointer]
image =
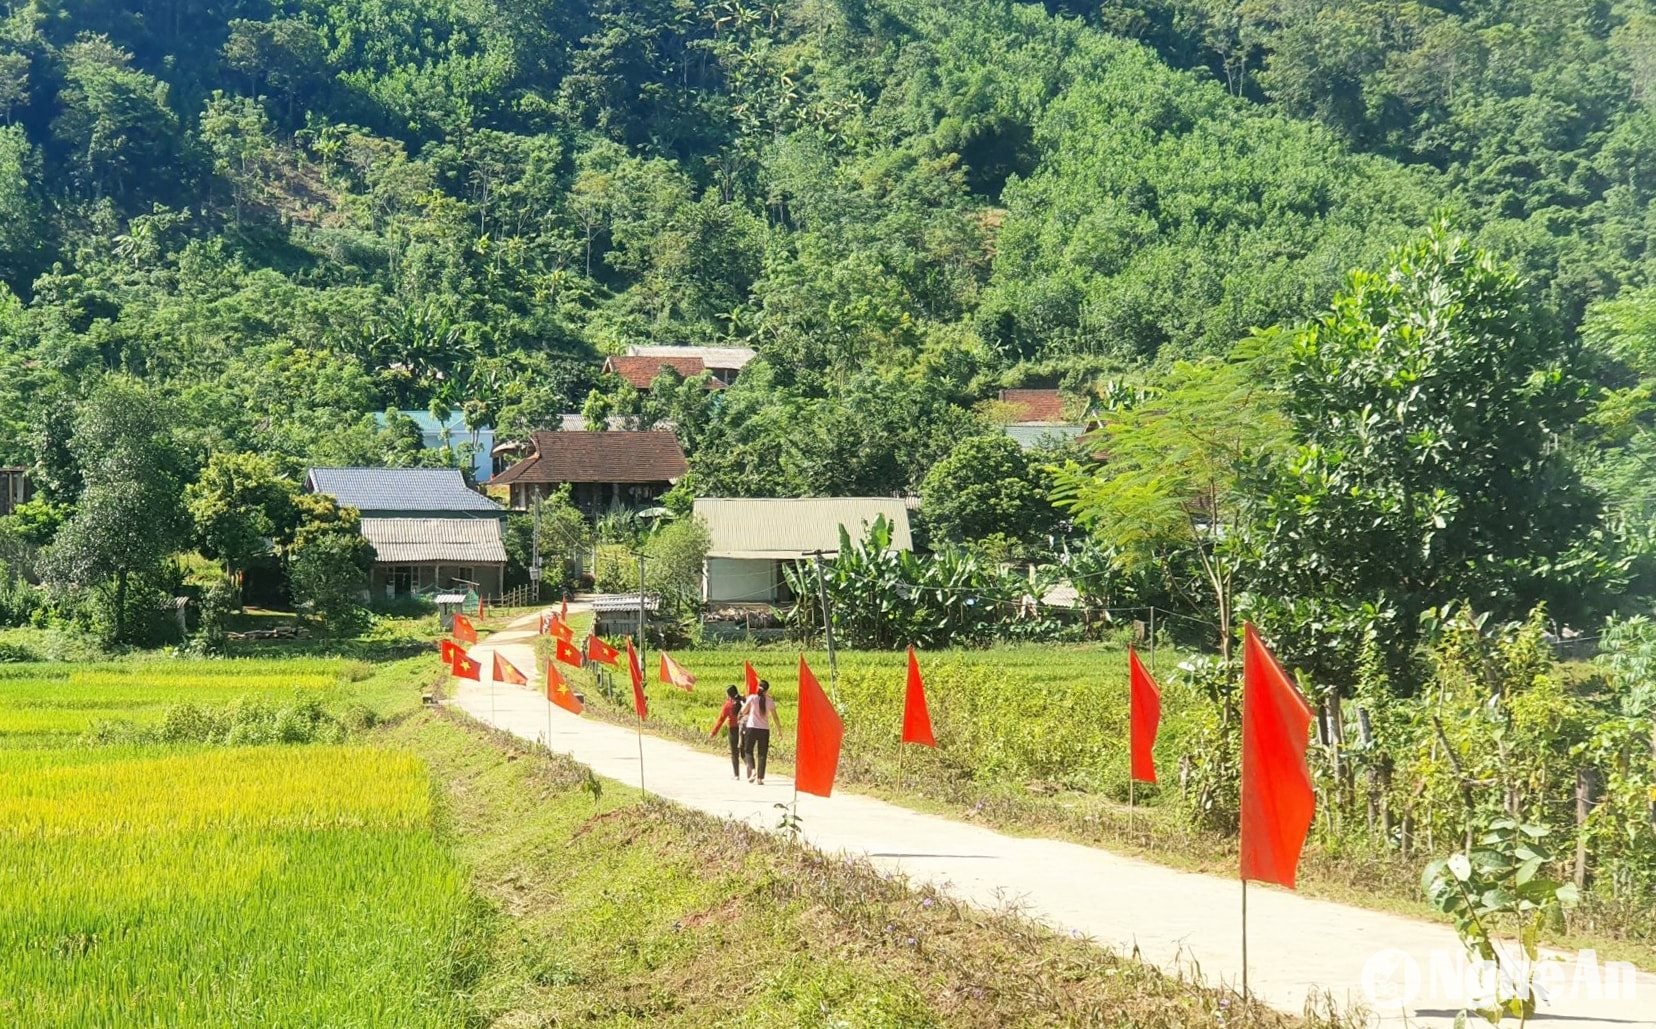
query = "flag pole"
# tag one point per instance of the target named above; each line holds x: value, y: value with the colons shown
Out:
x: 641, y: 788
x: 1244, y: 939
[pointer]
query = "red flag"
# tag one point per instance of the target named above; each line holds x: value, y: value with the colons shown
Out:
x: 463, y: 630
x: 448, y: 648
x: 602, y: 653
x: 1277, y: 801
x: 1144, y: 716
x: 671, y: 673
x: 466, y: 668
x: 752, y: 678
x: 559, y: 628
x: 569, y: 653
x: 817, y: 737
x: 505, y: 671
x: 637, y: 674
x: 563, y: 609
x: 916, y: 719
x: 558, y: 691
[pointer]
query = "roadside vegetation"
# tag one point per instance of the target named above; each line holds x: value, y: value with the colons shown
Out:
x: 260, y: 840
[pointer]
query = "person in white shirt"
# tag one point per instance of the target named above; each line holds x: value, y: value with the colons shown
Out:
x: 757, y: 715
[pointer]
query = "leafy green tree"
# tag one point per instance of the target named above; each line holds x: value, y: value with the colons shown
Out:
x: 328, y: 583
x: 115, y: 119
x: 674, y: 554
x: 241, y: 506
x: 20, y: 210
x: 129, y: 518
x: 1427, y: 404
x: 328, y: 562
x: 988, y: 486
x: 1177, y: 481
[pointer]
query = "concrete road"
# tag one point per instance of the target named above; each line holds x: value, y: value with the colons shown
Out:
x: 1400, y: 970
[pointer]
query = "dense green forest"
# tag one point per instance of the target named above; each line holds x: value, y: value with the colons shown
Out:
x: 288, y: 215
x: 277, y: 219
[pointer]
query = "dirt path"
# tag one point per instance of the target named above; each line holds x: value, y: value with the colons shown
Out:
x: 1179, y: 921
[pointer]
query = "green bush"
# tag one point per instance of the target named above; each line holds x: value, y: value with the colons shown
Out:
x: 244, y: 723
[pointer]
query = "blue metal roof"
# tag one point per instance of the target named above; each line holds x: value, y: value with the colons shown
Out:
x: 435, y: 435
x: 402, y: 490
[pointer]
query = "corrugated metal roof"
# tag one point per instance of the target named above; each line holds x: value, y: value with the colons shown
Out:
x: 456, y: 540
x: 641, y: 372
x: 1035, y: 435
x: 711, y: 357
x: 795, y: 528
x: 401, y: 490
x: 1035, y: 405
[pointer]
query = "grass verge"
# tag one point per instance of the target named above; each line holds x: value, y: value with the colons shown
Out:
x: 611, y: 910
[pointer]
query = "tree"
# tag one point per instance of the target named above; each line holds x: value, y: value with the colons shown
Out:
x: 1177, y: 474
x: 19, y: 204
x: 115, y: 119
x: 328, y: 561
x: 988, y: 486
x: 1428, y: 403
x: 673, y: 557
x: 241, y: 506
x: 129, y: 518
x: 328, y: 582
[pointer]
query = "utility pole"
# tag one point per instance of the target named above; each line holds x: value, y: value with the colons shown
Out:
x: 536, y: 574
x: 827, y: 630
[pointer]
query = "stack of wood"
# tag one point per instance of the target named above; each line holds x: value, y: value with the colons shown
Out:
x: 280, y: 632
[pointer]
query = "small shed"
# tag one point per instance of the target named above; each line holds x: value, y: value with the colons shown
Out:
x: 616, y: 614
x: 449, y: 605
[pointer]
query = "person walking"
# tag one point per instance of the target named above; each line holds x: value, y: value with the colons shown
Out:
x: 757, y: 715
x: 731, y: 715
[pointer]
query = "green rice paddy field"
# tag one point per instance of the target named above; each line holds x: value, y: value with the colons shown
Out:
x: 199, y: 885
x: 1010, y: 715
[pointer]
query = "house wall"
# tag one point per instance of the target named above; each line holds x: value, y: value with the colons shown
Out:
x: 742, y: 580
x: 15, y: 489
x: 593, y: 499
x: 388, y: 581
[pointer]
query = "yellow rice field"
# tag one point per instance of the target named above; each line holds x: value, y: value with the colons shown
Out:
x: 190, y: 885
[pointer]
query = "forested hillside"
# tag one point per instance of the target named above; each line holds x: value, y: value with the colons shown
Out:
x: 288, y: 215
x: 282, y: 218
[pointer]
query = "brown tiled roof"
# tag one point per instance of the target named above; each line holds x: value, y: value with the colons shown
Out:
x: 641, y: 371
x: 1034, y: 405
x: 599, y: 457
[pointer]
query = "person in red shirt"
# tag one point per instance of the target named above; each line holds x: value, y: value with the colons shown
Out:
x: 731, y: 715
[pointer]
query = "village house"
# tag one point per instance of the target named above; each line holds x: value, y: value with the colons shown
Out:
x: 15, y: 488
x: 640, y: 365
x: 430, y: 531
x: 451, y: 434
x: 606, y: 471
x: 724, y: 362
x: 1035, y: 418
x: 753, y: 540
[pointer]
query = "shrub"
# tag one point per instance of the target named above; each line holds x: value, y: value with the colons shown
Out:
x: 329, y: 583
x: 244, y: 723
